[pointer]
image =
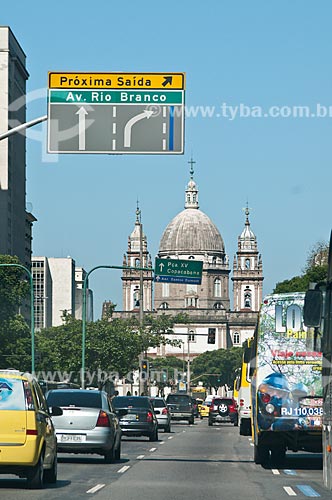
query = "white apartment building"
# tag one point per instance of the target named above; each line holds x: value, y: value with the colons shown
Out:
x: 58, y: 287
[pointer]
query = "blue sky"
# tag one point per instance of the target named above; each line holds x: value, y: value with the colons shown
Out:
x: 248, y: 55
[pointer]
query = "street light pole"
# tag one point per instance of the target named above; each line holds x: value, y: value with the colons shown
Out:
x: 84, y: 309
x: 32, y: 311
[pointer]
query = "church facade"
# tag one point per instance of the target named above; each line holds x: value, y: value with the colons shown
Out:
x: 191, y: 235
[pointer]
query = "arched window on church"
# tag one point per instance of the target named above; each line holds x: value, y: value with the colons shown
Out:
x: 218, y: 305
x: 191, y: 336
x: 188, y: 198
x: 191, y: 257
x: 247, y: 263
x: 217, y: 287
x: 236, y: 338
x: 214, y: 260
x: 136, y: 297
x: 164, y: 305
x: 247, y: 299
x: 137, y: 262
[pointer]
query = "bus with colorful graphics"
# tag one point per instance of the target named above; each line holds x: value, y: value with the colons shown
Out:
x: 286, y: 381
x: 318, y: 316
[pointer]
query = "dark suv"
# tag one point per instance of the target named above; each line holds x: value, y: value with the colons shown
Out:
x: 181, y: 407
x: 223, y: 410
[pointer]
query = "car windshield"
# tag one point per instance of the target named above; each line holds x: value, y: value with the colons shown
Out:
x: 130, y: 402
x: 89, y: 399
x: 174, y: 398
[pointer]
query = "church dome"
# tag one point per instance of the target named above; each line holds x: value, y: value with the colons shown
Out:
x: 191, y: 231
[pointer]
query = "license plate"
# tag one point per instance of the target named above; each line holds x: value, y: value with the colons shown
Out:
x: 71, y: 438
x: 131, y: 417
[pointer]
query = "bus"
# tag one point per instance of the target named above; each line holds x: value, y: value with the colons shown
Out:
x: 318, y: 315
x: 243, y: 387
x: 286, y: 381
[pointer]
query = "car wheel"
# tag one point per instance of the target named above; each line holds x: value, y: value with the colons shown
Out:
x: 117, y: 454
x: 201, y: 417
x: 154, y: 436
x: 109, y: 456
x: 261, y: 454
x: 236, y: 422
x: 191, y: 420
x: 168, y: 428
x: 50, y: 475
x: 35, y: 478
x: 210, y: 423
x: 278, y: 456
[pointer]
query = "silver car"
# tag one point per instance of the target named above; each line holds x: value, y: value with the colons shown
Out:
x: 162, y: 413
x: 88, y: 423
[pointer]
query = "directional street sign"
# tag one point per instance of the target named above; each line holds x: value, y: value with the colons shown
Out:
x: 178, y: 271
x: 116, y: 113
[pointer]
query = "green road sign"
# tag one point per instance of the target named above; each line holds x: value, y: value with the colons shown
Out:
x: 178, y: 271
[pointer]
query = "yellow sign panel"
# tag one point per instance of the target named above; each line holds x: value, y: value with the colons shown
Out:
x: 163, y: 81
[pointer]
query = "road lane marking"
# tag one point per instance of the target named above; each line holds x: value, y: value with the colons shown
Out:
x: 123, y: 469
x: 140, y: 457
x: 275, y: 472
x: 152, y: 449
x: 252, y: 444
x: 96, y: 488
x: 170, y: 437
x: 290, y: 472
x: 290, y: 491
x: 162, y: 442
x: 307, y: 490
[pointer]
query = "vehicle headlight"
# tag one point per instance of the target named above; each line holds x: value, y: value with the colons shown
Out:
x: 269, y: 408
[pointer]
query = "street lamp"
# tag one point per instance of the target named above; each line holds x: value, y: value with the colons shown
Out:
x: 32, y: 311
x: 85, y: 282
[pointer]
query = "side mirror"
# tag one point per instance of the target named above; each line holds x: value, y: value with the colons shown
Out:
x: 313, y: 308
x: 56, y: 411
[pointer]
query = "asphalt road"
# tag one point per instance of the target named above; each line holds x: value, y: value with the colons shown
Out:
x: 193, y: 462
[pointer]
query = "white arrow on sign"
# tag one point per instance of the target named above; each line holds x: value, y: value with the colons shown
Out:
x: 161, y: 266
x: 81, y: 128
x: 127, y: 130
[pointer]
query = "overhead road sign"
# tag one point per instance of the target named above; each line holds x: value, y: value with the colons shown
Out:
x: 178, y: 271
x: 116, y: 113
x: 171, y: 81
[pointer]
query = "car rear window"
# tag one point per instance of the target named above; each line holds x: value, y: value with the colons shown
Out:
x: 158, y: 403
x: 174, y: 398
x: 130, y: 402
x: 222, y: 401
x: 11, y: 394
x: 90, y: 399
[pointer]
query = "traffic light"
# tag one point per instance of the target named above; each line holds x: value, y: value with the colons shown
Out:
x: 144, y: 367
x: 211, y: 336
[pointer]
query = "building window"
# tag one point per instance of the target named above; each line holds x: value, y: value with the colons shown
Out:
x: 217, y: 287
x: 164, y: 305
x: 236, y: 338
x: 247, y: 299
x: 137, y: 262
x: 191, y: 301
x: 191, y: 336
x: 218, y: 305
x: 136, y: 297
x: 165, y: 289
x: 247, y: 263
x: 191, y: 257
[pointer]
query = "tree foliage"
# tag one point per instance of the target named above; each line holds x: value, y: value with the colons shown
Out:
x: 314, y: 271
x: 15, y: 339
x: 217, y: 368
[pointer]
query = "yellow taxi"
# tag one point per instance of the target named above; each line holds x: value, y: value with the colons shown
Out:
x: 28, y: 446
x: 205, y: 408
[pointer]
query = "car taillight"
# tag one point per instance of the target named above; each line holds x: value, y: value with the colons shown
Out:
x: 165, y: 411
x: 32, y: 432
x: 241, y: 402
x: 211, y: 408
x: 103, y: 420
x: 149, y: 416
x: 266, y: 398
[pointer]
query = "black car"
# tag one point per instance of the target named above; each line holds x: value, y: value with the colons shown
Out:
x: 223, y: 410
x: 181, y: 407
x: 137, y: 416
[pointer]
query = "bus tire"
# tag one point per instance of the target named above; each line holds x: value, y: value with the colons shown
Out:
x: 261, y: 454
x: 278, y: 455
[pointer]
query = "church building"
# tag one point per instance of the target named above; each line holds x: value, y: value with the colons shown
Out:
x: 191, y: 235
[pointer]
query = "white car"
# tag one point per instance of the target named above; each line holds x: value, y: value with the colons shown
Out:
x: 162, y: 413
